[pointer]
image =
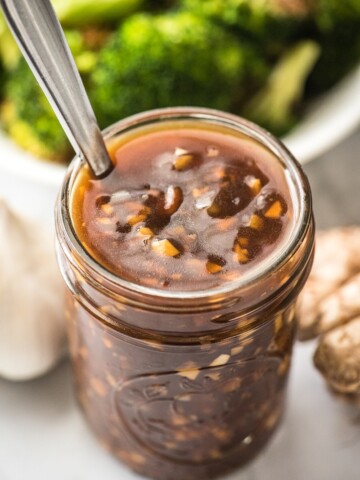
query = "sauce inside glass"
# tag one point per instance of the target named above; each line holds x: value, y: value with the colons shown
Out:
x: 186, y: 207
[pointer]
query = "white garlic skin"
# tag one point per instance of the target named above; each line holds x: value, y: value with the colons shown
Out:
x: 32, y: 325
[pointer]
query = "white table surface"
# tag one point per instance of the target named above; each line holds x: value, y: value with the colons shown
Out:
x: 44, y: 437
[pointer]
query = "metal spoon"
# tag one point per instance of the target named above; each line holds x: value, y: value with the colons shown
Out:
x: 41, y: 39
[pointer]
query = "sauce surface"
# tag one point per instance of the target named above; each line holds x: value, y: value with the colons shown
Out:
x: 186, y: 208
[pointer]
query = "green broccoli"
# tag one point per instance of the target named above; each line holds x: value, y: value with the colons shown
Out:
x: 90, y: 14
x: 340, y: 53
x: 268, y: 21
x: 338, y: 32
x: 75, y: 13
x: 26, y: 113
x: 2, y: 79
x: 29, y: 119
x: 2, y: 66
x: 331, y: 13
x: 274, y: 107
x: 160, y: 5
x: 9, y: 52
x: 167, y: 60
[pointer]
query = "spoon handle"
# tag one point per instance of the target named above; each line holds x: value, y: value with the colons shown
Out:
x: 40, y: 37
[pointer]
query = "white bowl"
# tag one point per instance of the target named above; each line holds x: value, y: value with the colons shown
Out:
x: 31, y: 185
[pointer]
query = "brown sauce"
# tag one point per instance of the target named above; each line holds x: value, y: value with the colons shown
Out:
x: 185, y: 208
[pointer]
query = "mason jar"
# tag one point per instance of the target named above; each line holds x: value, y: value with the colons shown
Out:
x: 185, y: 385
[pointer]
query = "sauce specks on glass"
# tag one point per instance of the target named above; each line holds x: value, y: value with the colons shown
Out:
x: 186, y: 208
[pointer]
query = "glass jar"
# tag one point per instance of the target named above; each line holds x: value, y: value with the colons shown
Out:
x: 185, y: 385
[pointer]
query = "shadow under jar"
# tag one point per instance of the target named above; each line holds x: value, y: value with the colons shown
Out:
x: 187, y: 380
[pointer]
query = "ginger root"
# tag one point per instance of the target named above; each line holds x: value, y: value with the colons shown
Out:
x: 338, y: 357
x: 329, y: 307
x: 337, y: 261
x: 340, y: 306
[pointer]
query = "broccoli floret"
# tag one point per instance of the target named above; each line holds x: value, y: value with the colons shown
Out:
x: 167, y: 60
x: 21, y: 92
x: 2, y: 65
x: 85, y: 45
x: 9, y: 52
x: 271, y: 20
x: 274, y: 107
x: 26, y: 113
x: 75, y: 13
x: 29, y: 119
x: 2, y: 79
x: 160, y: 5
x: 338, y: 32
x: 330, y: 13
x: 340, y: 53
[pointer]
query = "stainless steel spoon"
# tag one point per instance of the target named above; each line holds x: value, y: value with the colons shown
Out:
x: 41, y: 39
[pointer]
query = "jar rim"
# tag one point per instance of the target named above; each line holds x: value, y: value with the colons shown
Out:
x: 275, y: 261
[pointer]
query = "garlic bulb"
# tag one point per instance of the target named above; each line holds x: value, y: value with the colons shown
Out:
x: 32, y: 327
